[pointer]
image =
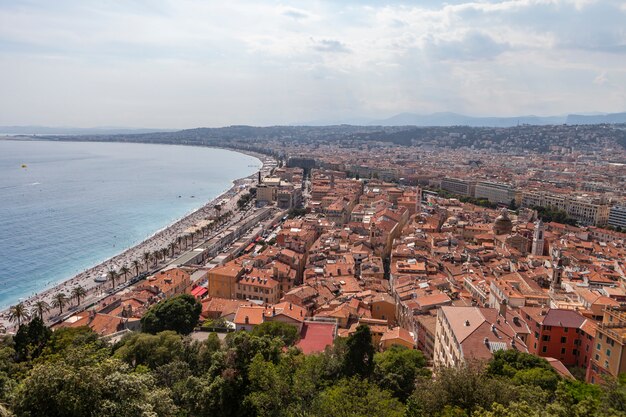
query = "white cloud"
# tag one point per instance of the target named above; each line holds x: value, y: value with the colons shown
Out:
x: 184, y: 63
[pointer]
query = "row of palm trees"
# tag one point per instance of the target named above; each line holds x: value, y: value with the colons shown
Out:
x: 19, y: 313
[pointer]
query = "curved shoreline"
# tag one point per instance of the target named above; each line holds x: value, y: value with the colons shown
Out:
x: 156, y: 240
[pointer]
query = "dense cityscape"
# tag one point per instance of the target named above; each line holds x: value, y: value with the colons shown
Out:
x: 465, y: 245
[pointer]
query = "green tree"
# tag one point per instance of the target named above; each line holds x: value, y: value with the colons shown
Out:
x: 31, y: 339
x: 466, y: 387
x: 78, y: 292
x: 180, y: 313
x: 359, y: 358
x: 18, y: 313
x: 108, y: 388
x: 124, y: 270
x: 112, y: 275
x: 288, y: 333
x: 356, y: 398
x: 395, y: 370
x: 150, y: 350
x: 508, y: 362
x: 40, y: 308
x: 59, y: 300
x: 269, y: 388
x: 136, y: 264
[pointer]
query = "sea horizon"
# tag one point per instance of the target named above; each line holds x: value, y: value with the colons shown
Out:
x: 79, y: 204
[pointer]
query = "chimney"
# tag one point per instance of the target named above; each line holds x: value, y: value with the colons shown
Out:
x: 486, y: 340
x: 467, y: 323
x: 290, y: 306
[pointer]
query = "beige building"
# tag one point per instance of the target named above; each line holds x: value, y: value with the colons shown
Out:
x: 464, y: 333
x: 609, y: 355
x: 584, y: 209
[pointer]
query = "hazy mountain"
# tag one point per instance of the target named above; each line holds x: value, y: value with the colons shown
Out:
x: 454, y: 119
x: 47, y: 130
x: 578, y: 119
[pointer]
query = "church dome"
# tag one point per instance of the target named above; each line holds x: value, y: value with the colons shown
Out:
x: 503, y: 224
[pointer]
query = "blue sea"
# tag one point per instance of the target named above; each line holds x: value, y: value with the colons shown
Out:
x: 66, y: 206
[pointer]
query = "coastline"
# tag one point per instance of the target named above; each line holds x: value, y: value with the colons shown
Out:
x: 159, y: 239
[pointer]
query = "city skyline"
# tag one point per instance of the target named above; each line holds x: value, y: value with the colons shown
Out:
x: 187, y: 64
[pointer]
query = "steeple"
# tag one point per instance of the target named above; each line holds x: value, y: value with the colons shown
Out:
x: 538, y: 239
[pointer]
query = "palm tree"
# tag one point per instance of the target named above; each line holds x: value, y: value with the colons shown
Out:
x: 136, y: 265
x: 164, y: 253
x: 155, y: 257
x: 124, y: 271
x: 17, y: 313
x: 172, y: 247
x: 179, y: 241
x: 40, y: 308
x: 112, y: 275
x: 78, y: 293
x: 146, y: 259
x: 59, y: 300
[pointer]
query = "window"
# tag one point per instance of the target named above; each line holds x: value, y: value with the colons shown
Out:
x: 575, y: 352
x: 548, y: 328
x: 599, y: 346
x: 564, y: 340
x: 546, y: 338
x: 608, y: 352
x: 544, y: 349
x: 562, y: 351
x: 565, y: 330
x: 597, y: 357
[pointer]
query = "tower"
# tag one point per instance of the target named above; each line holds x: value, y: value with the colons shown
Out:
x: 538, y: 243
x: 557, y: 269
x: 418, y: 199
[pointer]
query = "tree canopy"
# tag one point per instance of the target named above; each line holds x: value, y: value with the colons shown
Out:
x: 180, y: 314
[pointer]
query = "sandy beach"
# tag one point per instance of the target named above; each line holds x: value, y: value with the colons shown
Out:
x: 159, y: 240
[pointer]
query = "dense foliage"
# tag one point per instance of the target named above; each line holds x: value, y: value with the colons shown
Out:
x: 180, y: 313
x: 73, y: 373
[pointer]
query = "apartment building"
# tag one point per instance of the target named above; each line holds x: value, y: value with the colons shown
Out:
x: 495, y: 192
x: 464, y: 333
x: 459, y: 186
x: 617, y: 216
x: 609, y: 354
x: 561, y: 334
x: 584, y: 209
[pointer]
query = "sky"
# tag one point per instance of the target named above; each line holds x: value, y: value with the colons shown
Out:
x: 191, y: 63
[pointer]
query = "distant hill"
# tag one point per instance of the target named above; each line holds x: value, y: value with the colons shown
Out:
x: 454, y: 119
x: 577, y: 119
x: 47, y: 130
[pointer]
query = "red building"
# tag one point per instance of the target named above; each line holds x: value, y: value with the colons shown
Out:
x: 561, y: 334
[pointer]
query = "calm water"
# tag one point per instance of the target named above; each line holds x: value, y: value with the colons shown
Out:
x: 77, y: 204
